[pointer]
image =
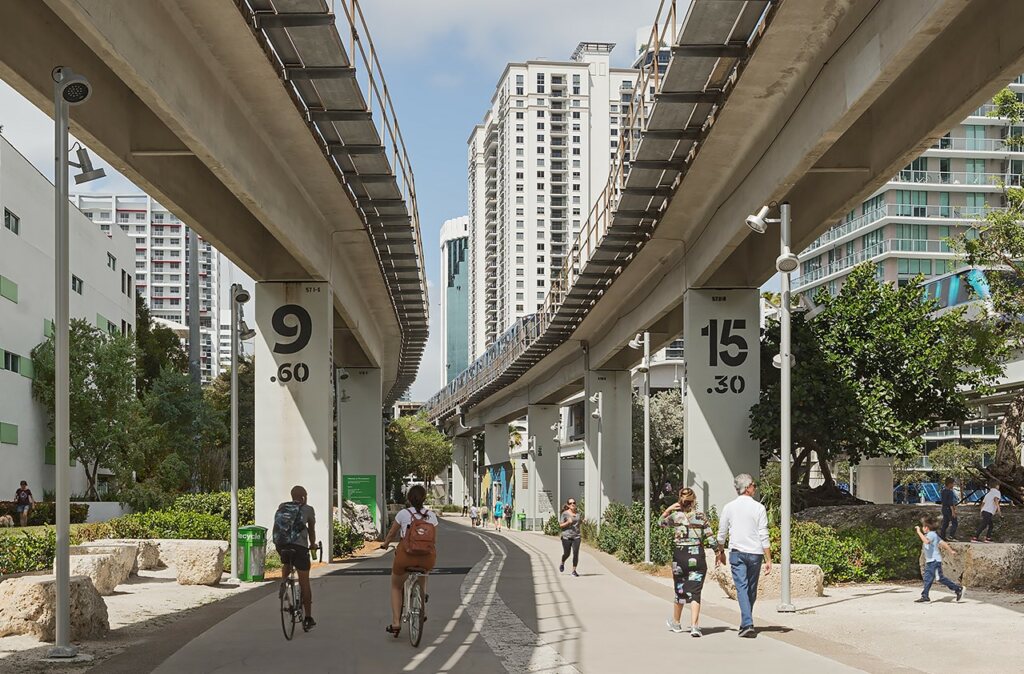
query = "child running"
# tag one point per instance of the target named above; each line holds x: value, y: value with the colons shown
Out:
x: 931, y: 544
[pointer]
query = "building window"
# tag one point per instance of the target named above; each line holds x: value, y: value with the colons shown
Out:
x: 8, y: 289
x: 111, y: 261
x: 8, y: 433
x: 12, y: 222
x: 77, y: 285
x: 12, y: 361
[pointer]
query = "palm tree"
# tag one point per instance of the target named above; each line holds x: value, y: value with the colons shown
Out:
x: 515, y: 437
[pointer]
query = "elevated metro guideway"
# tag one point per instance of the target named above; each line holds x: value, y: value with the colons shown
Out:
x: 815, y: 103
x: 266, y: 130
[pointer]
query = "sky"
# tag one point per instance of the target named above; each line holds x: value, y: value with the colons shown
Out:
x: 442, y: 60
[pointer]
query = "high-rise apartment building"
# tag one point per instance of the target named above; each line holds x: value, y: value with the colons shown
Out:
x: 904, y: 225
x: 102, y: 272
x: 455, y: 296
x: 536, y: 163
x: 161, y: 264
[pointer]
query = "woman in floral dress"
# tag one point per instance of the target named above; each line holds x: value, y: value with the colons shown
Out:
x: 689, y: 565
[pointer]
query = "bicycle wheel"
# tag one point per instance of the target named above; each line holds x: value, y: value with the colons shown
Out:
x: 415, y: 614
x: 287, y: 610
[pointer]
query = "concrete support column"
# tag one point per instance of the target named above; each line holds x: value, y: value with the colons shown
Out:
x: 721, y: 330
x: 608, y: 470
x: 541, y: 491
x: 874, y: 480
x: 360, y: 470
x: 495, y: 452
x: 294, y: 398
x: 462, y: 470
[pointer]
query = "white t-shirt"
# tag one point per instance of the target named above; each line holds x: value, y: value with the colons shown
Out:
x: 991, y: 500
x: 404, y: 518
x: 473, y: 512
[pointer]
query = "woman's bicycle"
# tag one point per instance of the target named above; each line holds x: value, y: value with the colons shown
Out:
x: 414, y: 604
x: 292, y: 613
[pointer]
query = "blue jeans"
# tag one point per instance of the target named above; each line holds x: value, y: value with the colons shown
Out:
x: 746, y: 570
x: 933, y: 572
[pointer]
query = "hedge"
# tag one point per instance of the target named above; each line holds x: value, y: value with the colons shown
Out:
x: 159, y: 524
x: 346, y: 539
x: 43, y: 513
x: 219, y: 504
x: 25, y: 551
x: 854, y: 555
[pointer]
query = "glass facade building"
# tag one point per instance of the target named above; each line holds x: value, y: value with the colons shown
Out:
x: 455, y: 296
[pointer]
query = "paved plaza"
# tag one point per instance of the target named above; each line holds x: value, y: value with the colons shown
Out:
x: 498, y: 604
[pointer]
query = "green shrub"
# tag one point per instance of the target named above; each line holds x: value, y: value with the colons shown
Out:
x: 449, y: 508
x: 346, y: 539
x: 551, y: 527
x: 609, y: 540
x: 860, y: 554
x: 159, y: 524
x: 43, y: 512
x: 25, y: 551
x: 896, y: 551
x: 91, y: 532
x: 219, y: 504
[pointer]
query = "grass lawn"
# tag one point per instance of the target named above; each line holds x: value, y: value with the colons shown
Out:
x: 5, y: 531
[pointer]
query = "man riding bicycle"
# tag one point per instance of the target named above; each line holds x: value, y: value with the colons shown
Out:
x: 294, y: 524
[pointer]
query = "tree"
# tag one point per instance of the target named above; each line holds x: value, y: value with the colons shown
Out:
x: 666, y: 439
x: 104, y: 408
x: 957, y: 461
x: 415, y: 447
x: 999, y: 246
x: 158, y: 348
x: 515, y: 438
x: 218, y: 397
x: 874, y: 370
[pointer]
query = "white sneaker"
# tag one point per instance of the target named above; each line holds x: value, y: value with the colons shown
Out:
x: 674, y: 627
x: 695, y: 632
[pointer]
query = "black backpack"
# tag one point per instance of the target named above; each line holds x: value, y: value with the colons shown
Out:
x: 288, y: 524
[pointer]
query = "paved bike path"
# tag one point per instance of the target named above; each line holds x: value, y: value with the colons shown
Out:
x: 497, y: 604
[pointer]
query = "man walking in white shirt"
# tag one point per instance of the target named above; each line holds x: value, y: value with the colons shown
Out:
x: 744, y: 522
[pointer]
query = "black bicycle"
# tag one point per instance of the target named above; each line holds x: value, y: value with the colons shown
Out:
x: 292, y: 613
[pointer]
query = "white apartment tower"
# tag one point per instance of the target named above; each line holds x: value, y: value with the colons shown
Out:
x: 161, y: 264
x: 904, y: 225
x: 102, y: 268
x: 536, y: 163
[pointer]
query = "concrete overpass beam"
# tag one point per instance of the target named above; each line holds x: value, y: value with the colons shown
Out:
x: 539, y: 498
x: 608, y: 471
x: 722, y: 329
x: 360, y: 470
x: 294, y: 411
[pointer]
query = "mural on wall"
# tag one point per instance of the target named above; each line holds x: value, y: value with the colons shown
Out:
x: 498, y: 484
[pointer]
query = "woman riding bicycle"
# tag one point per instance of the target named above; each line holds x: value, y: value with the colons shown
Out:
x: 404, y: 558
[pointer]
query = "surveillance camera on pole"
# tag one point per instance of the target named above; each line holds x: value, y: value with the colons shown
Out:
x: 343, y: 373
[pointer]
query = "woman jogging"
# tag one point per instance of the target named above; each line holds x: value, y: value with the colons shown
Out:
x: 689, y: 565
x: 569, y: 522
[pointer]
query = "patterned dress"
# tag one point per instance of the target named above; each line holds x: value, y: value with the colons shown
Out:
x: 689, y: 565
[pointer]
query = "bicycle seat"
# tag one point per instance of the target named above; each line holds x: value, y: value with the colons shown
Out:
x: 415, y: 569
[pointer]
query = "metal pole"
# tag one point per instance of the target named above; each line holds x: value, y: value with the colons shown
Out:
x: 600, y: 475
x: 234, y: 430
x: 194, y: 308
x: 647, y: 448
x: 61, y: 361
x: 785, y: 440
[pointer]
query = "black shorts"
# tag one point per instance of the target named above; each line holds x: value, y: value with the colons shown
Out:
x: 295, y: 555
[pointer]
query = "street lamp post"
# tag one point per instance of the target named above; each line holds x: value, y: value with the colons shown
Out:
x: 786, y: 263
x: 69, y: 89
x: 239, y: 332
x: 644, y: 341
x: 597, y: 414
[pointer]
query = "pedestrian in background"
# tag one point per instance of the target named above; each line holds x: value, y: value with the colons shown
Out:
x: 989, y: 509
x: 23, y: 502
x: 569, y: 522
x: 692, y: 532
x: 930, y: 544
x: 508, y: 516
x: 949, y: 501
x: 474, y: 515
x: 744, y: 522
x: 499, y: 512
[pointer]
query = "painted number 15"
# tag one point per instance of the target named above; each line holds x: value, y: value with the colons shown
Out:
x: 720, y: 342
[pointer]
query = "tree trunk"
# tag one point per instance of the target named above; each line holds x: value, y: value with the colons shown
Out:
x: 1006, y: 468
x: 91, y: 477
x: 826, y: 472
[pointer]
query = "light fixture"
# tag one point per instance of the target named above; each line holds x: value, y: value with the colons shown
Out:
x: 596, y: 399
x: 787, y: 262
x: 245, y: 333
x: 758, y: 222
x: 777, y: 361
x: 345, y: 397
x: 88, y: 173
x: 74, y: 88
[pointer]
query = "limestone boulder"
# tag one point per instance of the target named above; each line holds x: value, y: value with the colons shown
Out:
x: 28, y: 606
x: 357, y: 516
x: 200, y: 564
x: 124, y: 555
x: 806, y: 580
x: 986, y: 566
x: 170, y: 548
x: 101, y: 568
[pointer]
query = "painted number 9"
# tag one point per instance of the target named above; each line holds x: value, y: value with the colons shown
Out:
x: 301, y: 330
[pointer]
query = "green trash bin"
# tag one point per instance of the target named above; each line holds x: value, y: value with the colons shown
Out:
x: 252, y: 553
x: 522, y: 521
